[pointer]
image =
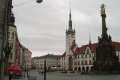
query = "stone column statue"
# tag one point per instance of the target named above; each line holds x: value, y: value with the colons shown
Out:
x: 102, y: 9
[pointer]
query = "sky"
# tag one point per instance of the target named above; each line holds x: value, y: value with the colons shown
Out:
x: 41, y: 27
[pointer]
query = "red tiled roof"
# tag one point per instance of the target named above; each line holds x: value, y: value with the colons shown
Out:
x: 73, y: 48
x: 80, y: 50
x: 117, y: 45
x: 64, y: 54
x: 93, y: 47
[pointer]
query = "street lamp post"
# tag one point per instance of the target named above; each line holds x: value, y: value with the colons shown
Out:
x: 39, y: 1
x: 45, y: 69
x: 27, y: 73
x: 7, y: 51
x: 5, y: 9
x: 4, y: 20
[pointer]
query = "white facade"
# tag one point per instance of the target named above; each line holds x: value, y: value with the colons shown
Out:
x: 27, y: 58
x: 70, y: 39
x: 83, y: 57
x: 22, y: 56
x: 52, y: 61
x: 63, y: 63
x: 12, y: 40
x: 84, y: 61
x: 79, y: 58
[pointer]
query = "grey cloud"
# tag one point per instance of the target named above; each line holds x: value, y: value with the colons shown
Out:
x: 46, y: 23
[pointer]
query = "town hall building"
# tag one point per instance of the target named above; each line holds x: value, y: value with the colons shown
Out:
x: 80, y: 58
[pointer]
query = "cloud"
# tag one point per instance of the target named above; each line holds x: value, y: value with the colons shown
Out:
x: 41, y: 27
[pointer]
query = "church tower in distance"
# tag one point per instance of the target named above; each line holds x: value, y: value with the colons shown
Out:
x: 70, y: 40
x: 70, y: 36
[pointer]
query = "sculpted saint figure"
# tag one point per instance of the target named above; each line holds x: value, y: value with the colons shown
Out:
x: 102, y: 9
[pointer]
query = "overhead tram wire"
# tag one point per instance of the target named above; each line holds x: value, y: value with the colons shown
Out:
x: 23, y: 3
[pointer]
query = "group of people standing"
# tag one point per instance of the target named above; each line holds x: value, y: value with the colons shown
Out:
x: 41, y: 72
x: 13, y: 74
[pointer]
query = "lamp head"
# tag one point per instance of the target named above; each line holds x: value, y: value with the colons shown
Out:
x: 39, y: 1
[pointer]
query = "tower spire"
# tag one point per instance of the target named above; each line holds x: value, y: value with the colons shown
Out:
x: 70, y: 20
x: 70, y: 12
x: 89, y: 39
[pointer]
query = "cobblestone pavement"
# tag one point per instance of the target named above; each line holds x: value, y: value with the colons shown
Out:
x: 70, y: 76
x: 6, y: 78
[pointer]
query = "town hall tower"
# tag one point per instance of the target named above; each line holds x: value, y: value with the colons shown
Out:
x: 70, y: 40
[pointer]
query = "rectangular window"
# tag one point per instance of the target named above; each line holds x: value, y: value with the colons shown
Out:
x: 11, y: 45
x: 75, y: 63
x: 85, y: 62
x: 90, y: 62
x: 81, y: 62
x: 81, y: 56
x: 12, y: 35
x: 78, y: 56
x: 90, y: 55
x: 8, y: 35
x: 11, y: 56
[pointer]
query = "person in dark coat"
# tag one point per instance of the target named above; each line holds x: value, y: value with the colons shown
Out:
x: 24, y: 75
x: 10, y: 76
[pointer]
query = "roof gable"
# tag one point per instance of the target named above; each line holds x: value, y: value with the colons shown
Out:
x: 82, y: 49
x: 64, y: 54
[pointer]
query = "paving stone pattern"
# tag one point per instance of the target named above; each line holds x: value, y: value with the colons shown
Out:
x: 69, y: 76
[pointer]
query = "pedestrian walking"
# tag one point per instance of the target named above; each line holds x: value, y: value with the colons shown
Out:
x: 29, y: 75
x: 91, y: 73
x: 42, y: 72
x: 10, y: 75
x: 24, y: 75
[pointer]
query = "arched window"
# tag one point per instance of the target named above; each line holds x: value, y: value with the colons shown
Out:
x: 75, y: 68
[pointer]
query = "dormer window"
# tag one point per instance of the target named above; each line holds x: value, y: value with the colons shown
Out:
x: 87, y: 51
